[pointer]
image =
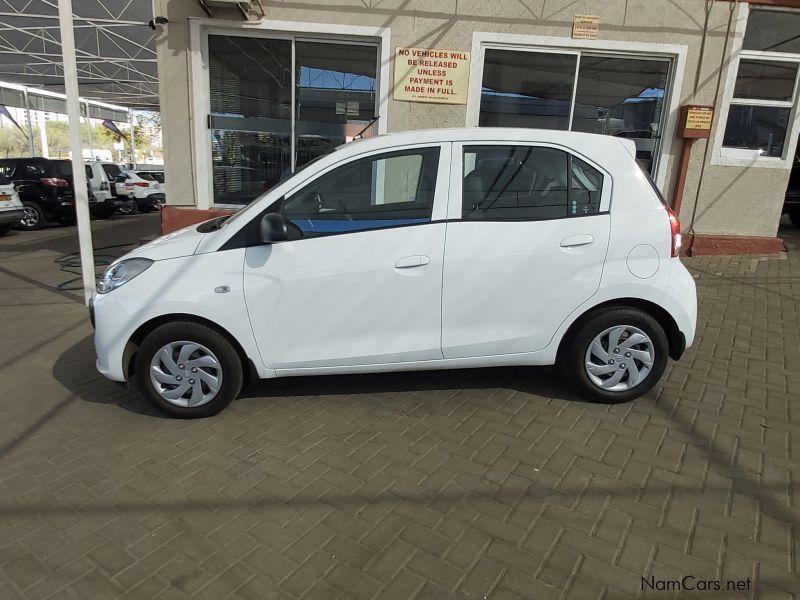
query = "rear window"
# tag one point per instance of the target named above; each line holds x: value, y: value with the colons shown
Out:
x: 145, y: 176
x: 62, y: 168
x: 113, y: 171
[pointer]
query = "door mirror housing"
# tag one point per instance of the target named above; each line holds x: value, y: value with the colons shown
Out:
x: 273, y: 229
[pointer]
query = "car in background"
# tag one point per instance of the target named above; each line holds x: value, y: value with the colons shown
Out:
x: 791, y: 203
x: 11, y: 209
x: 443, y: 249
x: 105, y: 179
x: 45, y: 188
x: 155, y: 174
x: 143, y: 188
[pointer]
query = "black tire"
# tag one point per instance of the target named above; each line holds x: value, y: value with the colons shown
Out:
x: 794, y: 216
x: 103, y: 211
x: 129, y: 207
x: 216, y: 343
x: 36, y: 220
x: 4, y: 229
x: 572, y: 361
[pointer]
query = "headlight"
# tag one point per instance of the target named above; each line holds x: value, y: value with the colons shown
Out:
x: 121, y: 273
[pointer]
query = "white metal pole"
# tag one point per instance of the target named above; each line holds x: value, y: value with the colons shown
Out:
x: 76, y: 147
x: 30, y: 125
x: 43, y: 133
x: 89, y: 129
x: 133, y: 145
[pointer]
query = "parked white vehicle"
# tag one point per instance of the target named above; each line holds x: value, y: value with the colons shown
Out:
x: 422, y: 250
x: 142, y: 187
x: 103, y: 178
x: 11, y: 209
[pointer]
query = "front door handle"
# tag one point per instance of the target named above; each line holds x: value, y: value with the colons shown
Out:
x: 408, y: 262
x: 577, y: 240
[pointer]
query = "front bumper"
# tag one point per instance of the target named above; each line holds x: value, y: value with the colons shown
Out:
x: 14, y: 215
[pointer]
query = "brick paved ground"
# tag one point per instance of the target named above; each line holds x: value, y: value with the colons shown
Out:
x: 485, y: 484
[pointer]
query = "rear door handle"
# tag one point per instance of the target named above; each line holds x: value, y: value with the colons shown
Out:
x: 408, y: 262
x: 577, y: 240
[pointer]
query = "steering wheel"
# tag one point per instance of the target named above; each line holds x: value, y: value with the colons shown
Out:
x: 321, y: 204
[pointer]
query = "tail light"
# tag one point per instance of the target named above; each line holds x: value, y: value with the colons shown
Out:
x: 54, y: 182
x: 674, y: 232
x: 141, y: 184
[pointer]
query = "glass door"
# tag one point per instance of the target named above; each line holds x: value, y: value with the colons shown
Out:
x: 276, y: 104
x: 609, y: 94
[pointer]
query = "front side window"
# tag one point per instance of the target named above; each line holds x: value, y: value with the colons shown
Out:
x: 527, y: 183
x: 766, y: 84
x: 387, y: 190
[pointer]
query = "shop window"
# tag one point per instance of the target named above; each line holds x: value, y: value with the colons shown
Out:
x: 387, y: 190
x: 765, y: 86
x: 271, y: 114
x: 527, y: 183
x: 579, y: 91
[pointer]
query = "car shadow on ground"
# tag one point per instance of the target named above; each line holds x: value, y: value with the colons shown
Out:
x: 75, y: 370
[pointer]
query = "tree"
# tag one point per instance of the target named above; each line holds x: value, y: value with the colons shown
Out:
x: 13, y: 143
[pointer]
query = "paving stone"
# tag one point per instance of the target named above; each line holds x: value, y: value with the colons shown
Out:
x: 438, y: 484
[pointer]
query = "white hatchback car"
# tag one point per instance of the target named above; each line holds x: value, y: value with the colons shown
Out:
x: 422, y: 250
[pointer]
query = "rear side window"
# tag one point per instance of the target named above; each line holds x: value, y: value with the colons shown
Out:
x: 35, y: 170
x: 527, y: 183
x: 145, y: 176
x: 89, y: 173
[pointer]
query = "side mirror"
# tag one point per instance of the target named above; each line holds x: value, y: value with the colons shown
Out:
x: 273, y: 229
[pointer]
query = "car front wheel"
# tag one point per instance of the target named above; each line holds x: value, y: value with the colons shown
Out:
x: 617, y: 355
x: 188, y: 370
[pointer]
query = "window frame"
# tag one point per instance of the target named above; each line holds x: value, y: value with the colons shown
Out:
x: 440, y: 195
x: 200, y: 107
x: 745, y: 157
x: 676, y: 53
x: 455, y: 204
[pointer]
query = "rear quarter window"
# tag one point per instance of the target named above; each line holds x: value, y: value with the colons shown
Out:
x: 112, y: 171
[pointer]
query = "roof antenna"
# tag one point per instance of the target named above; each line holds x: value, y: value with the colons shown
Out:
x: 360, y: 134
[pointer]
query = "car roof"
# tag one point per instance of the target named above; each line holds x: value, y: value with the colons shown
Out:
x: 570, y: 139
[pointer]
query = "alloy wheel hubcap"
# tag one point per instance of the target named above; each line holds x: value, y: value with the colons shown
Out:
x: 31, y: 216
x: 619, y: 358
x: 186, y: 374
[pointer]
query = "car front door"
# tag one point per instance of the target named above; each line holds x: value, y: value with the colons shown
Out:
x: 359, y: 280
x: 528, y: 230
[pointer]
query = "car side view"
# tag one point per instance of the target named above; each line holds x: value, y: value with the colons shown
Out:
x: 442, y: 249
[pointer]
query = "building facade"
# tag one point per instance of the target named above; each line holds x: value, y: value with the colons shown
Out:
x: 249, y: 94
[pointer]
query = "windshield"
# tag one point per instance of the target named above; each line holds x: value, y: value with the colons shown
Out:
x: 247, y: 209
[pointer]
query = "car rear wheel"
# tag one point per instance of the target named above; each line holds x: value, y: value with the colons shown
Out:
x: 129, y: 207
x: 33, y: 216
x: 617, y: 355
x: 188, y: 370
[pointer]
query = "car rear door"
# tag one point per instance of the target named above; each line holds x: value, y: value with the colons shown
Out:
x: 527, y: 235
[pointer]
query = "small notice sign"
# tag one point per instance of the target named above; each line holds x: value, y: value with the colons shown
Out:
x: 695, y: 121
x: 429, y: 75
x: 586, y: 27
x: 699, y: 117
